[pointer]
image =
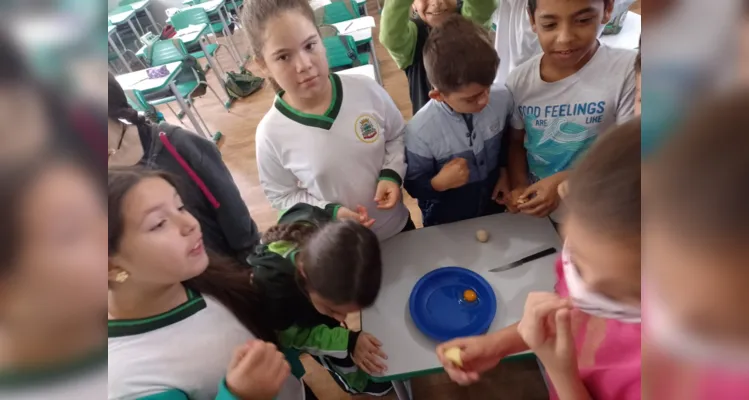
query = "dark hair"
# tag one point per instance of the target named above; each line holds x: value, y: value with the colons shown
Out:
x: 604, y: 187
x: 458, y: 53
x: 702, y: 174
x: 297, y: 233
x: 256, y: 14
x: 342, y: 263
x: 533, y: 4
x: 225, y: 279
x: 638, y: 59
x: 119, y: 108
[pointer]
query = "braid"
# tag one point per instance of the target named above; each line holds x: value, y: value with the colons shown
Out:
x: 296, y: 232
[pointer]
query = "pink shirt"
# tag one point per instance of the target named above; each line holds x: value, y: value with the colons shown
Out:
x: 608, y: 353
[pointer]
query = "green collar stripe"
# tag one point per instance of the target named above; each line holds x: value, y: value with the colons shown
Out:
x: 324, y: 121
x: 118, y: 328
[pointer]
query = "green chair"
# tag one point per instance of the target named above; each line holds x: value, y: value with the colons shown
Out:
x: 342, y: 53
x: 194, y: 16
x: 168, y: 51
x: 337, y: 11
x: 155, y: 25
x: 216, y: 27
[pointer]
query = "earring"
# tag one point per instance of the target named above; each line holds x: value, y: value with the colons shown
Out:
x: 121, y: 276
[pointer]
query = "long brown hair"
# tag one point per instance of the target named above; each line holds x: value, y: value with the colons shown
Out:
x: 225, y: 279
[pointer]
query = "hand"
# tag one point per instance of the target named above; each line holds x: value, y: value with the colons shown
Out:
x: 257, y: 371
x: 453, y: 174
x: 545, y: 327
x: 540, y: 198
x: 478, y: 353
x: 502, y: 193
x: 360, y: 215
x: 367, y: 354
x: 515, y: 198
x: 388, y: 194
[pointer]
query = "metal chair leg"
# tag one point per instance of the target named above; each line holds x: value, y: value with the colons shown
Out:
x: 191, y: 104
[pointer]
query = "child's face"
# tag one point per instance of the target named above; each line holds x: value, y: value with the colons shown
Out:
x: 568, y: 29
x: 469, y: 99
x: 702, y: 287
x: 610, y: 267
x: 335, y: 311
x: 638, y: 95
x: 161, y: 242
x: 435, y: 12
x: 295, y: 58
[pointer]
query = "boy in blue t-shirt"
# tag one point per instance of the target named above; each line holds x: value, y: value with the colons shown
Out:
x: 456, y: 161
x: 564, y: 98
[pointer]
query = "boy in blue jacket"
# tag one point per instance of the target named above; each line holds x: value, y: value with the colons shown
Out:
x: 456, y: 160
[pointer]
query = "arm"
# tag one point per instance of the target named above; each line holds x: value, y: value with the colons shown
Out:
x: 238, y: 227
x: 480, y: 11
x: 320, y: 340
x: 421, y: 168
x: 508, y: 341
x: 398, y: 32
x: 626, y: 104
x: 279, y: 184
x: 394, y: 167
x: 568, y: 385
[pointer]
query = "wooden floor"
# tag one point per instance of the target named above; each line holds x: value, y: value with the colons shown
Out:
x: 516, y: 380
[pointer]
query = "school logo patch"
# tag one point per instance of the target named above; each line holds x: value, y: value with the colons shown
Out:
x: 366, y: 128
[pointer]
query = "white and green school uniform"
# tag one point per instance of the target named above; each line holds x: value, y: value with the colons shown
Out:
x: 180, y: 354
x: 335, y: 159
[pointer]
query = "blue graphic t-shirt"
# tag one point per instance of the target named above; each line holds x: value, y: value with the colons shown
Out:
x: 562, y: 119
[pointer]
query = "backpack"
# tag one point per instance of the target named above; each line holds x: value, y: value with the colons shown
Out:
x: 242, y: 84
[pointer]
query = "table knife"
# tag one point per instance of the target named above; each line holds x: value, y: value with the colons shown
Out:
x: 534, y: 256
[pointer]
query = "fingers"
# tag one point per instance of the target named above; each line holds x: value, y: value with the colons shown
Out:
x: 374, y: 340
x: 542, y: 210
x: 237, y: 355
x: 564, y: 332
x: 374, y: 363
x: 257, y: 355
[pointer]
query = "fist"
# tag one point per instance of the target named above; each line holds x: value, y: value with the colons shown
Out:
x: 257, y: 371
x: 453, y: 175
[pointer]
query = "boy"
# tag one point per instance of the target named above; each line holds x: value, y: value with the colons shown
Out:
x: 404, y: 38
x: 453, y: 144
x: 564, y: 98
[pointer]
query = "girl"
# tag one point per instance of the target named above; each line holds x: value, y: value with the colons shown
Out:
x: 51, y: 253
x: 695, y: 248
x: 210, y: 193
x: 587, y: 334
x: 312, y: 274
x: 307, y: 151
x: 176, y: 317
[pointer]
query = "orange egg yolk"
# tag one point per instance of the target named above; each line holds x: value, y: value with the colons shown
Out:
x: 469, y: 295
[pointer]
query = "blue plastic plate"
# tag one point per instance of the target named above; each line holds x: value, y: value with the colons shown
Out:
x: 439, y: 311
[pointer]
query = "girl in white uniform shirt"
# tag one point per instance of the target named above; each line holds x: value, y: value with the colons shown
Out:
x: 179, y: 323
x: 333, y: 141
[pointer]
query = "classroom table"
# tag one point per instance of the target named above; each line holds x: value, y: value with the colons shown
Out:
x: 215, y: 6
x: 124, y: 17
x: 361, y: 31
x: 110, y: 30
x: 410, y: 255
x: 629, y: 36
x: 363, y: 70
x: 139, y: 81
x: 190, y: 35
x: 143, y: 6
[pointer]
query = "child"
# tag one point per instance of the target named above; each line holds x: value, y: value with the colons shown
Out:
x: 697, y: 255
x: 595, y: 353
x: 456, y: 163
x: 210, y: 193
x: 404, y: 38
x: 564, y: 98
x: 307, y: 151
x: 312, y: 274
x: 176, y: 318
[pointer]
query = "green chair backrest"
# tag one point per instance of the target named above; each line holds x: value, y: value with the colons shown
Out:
x: 127, y: 2
x: 339, y: 11
x: 341, y: 51
x: 166, y: 51
x: 194, y: 16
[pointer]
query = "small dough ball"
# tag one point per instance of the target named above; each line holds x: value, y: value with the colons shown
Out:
x: 453, y: 354
x: 522, y: 200
x: 482, y: 236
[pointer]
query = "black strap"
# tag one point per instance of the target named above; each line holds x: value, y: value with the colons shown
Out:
x: 350, y: 52
x: 468, y: 118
